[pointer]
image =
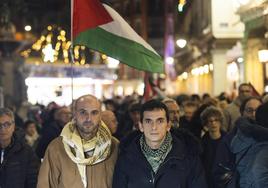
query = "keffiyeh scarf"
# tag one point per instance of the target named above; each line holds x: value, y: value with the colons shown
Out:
x: 156, y: 156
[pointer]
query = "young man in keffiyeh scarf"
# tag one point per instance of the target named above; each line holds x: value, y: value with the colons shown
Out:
x: 84, y: 155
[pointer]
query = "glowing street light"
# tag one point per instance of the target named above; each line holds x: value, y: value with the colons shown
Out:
x: 181, y: 43
x: 170, y: 60
x: 27, y: 28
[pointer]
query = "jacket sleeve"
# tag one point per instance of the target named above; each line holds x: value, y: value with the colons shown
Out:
x: 49, y: 173
x: 260, y: 169
x: 32, y: 170
x: 119, y: 177
x: 197, y: 174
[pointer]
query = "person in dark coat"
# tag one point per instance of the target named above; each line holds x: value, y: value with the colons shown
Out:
x: 62, y: 116
x: 212, y: 117
x: 19, y: 165
x: 156, y: 158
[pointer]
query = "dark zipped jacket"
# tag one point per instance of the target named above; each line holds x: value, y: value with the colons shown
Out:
x: 181, y: 168
x: 20, y: 166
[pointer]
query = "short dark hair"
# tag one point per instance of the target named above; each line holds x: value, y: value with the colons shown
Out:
x: 244, y: 103
x: 209, y: 112
x: 261, y: 115
x: 28, y: 122
x: 152, y: 105
x: 134, y: 107
x: 244, y: 84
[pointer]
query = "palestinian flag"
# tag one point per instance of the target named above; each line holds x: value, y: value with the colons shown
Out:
x: 101, y: 28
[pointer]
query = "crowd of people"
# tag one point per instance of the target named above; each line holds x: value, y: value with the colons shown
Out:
x: 183, y: 141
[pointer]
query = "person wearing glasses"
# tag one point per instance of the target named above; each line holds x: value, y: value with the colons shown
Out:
x: 157, y: 158
x: 249, y: 106
x: 212, y: 118
x: 19, y: 165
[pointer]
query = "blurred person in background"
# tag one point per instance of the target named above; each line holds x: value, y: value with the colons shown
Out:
x: 108, y: 117
x: 61, y: 117
x: 232, y: 111
x: 31, y: 134
x: 19, y: 165
x: 173, y: 110
x: 189, y: 109
x: 213, y: 119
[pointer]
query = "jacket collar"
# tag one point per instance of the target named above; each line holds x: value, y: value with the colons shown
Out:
x: 248, y: 133
x: 177, y: 151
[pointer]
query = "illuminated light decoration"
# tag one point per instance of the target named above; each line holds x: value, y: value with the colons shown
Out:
x: 170, y: 60
x: 140, y: 88
x: 129, y: 90
x: 163, y: 76
x: 42, y: 38
x: 83, y: 61
x: 184, y: 75
x: 263, y: 56
x: 27, y: 28
x: 112, y: 63
x: 120, y: 91
x: 62, y: 32
x: 104, y: 56
x: 211, y: 67
x: 240, y: 60
x: 181, y: 43
x: 49, y: 28
x: 181, y: 5
x: 232, y: 72
x: 53, y: 39
x: 48, y: 38
x: 48, y: 52
x: 202, y: 70
x: 206, y: 69
x: 266, y: 88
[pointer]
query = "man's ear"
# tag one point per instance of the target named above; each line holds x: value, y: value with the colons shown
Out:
x: 169, y: 126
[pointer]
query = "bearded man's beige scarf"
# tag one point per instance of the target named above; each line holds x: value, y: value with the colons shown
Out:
x: 98, y: 148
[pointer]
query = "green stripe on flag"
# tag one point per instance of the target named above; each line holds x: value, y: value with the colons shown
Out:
x: 127, y: 51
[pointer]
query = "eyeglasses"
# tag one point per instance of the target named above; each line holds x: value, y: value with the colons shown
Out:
x: 250, y: 110
x: 6, y: 125
x: 213, y: 120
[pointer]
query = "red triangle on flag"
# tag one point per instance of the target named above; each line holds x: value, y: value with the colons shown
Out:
x: 88, y: 14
